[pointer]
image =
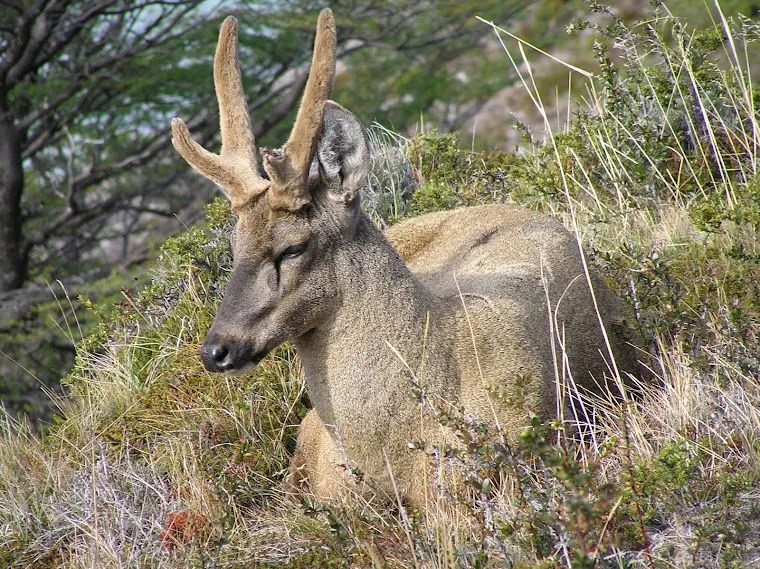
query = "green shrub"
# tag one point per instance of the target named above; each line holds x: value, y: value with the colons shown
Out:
x: 658, y: 179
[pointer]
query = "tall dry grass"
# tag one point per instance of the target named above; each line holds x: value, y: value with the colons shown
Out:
x: 156, y: 463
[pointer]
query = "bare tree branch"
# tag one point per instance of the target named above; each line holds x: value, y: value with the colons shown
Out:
x: 87, y: 47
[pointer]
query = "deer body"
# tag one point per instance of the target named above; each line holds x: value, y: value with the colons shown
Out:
x: 468, y: 303
x: 467, y: 313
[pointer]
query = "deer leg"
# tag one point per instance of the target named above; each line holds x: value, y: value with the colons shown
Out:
x: 318, y: 466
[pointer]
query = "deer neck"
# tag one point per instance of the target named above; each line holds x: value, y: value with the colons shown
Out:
x: 385, y: 331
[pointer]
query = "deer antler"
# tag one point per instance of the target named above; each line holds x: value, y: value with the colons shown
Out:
x: 235, y: 169
x: 288, y: 167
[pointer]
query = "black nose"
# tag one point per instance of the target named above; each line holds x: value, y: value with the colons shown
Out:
x: 216, y: 356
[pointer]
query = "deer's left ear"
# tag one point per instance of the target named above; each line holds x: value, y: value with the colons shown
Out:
x: 342, y: 154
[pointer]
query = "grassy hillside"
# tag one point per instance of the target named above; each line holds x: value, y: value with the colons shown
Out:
x: 153, y: 462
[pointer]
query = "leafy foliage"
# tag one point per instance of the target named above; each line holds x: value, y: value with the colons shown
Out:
x: 659, y: 181
x: 91, y: 183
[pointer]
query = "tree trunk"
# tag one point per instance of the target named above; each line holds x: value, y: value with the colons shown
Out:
x: 13, y: 257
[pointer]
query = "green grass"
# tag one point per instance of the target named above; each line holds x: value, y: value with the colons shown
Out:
x: 154, y: 462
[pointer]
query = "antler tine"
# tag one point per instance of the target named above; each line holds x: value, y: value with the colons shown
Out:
x: 302, y: 141
x: 289, y: 167
x: 235, y: 169
x: 234, y: 121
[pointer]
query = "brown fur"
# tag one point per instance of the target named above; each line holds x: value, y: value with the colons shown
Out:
x: 505, y: 261
x: 485, y: 298
x: 234, y: 170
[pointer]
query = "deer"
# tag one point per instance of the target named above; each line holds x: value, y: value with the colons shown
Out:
x: 461, y: 303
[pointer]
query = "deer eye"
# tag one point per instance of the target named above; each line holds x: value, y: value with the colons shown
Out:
x: 291, y: 252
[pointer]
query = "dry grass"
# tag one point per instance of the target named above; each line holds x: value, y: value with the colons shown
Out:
x: 156, y: 463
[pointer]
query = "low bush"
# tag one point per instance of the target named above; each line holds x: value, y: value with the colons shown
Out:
x: 154, y: 462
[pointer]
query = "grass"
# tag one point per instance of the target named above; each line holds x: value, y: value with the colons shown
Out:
x: 153, y: 462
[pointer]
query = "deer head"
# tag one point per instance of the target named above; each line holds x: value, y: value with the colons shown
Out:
x: 290, y: 219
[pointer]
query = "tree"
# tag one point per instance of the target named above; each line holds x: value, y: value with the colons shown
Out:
x: 400, y: 55
x: 87, y: 90
x: 63, y: 72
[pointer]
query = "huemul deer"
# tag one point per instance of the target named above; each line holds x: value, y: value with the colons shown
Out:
x: 464, y: 301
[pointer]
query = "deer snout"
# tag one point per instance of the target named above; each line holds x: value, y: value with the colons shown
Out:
x: 220, y: 354
x: 217, y: 356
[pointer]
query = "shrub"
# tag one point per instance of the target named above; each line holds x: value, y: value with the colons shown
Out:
x: 658, y: 178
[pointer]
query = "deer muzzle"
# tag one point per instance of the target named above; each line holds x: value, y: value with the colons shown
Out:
x: 228, y: 356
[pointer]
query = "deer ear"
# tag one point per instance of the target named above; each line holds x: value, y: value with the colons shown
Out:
x: 342, y: 154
